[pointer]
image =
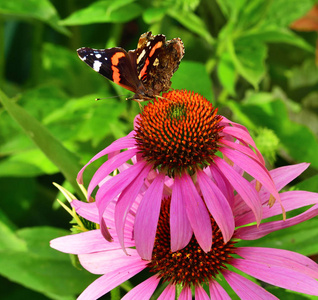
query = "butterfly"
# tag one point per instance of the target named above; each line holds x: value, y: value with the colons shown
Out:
x: 145, y: 71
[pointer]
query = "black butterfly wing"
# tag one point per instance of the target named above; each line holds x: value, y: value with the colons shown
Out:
x: 114, y: 63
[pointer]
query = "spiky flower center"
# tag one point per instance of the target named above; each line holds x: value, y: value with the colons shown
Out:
x: 178, y: 132
x: 190, y: 265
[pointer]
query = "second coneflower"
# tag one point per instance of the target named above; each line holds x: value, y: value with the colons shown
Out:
x: 181, y: 148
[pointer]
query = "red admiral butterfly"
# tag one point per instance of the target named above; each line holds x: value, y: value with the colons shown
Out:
x: 145, y: 71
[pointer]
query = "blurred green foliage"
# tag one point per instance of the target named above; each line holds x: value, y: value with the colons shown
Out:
x: 241, y: 55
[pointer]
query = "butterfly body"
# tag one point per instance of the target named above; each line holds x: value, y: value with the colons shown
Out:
x: 145, y: 71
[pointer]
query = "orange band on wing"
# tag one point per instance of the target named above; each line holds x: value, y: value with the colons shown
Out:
x: 158, y: 45
x: 116, y: 75
x: 144, y: 69
x: 115, y: 58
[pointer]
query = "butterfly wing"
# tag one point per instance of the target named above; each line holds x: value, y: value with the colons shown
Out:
x: 114, y: 63
x: 157, y: 60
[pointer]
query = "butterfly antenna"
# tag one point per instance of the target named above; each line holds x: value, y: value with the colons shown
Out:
x: 97, y: 99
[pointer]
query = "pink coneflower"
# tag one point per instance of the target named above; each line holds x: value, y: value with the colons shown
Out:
x: 181, y: 148
x: 191, y: 269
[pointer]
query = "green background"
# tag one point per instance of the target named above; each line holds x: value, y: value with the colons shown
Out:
x: 242, y: 55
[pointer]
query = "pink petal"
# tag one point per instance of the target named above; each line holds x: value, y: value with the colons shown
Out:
x: 243, y: 187
x: 185, y: 294
x: 217, y: 204
x: 253, y: 232
x: 243, y: 149
x: 107, y: 261
x: 122, y: 143
x: 243, y: 135
x: 107, y: 282
x: 180, y: 228
x: 245, y: 288
x: 222, y: 184
x: 110, y: 189
x: 197, y: 213
x: 217, y: 292
x: 109, y: 166
x: 278, y: 275
x: 200, y: 293
x: 281, y: 177
x: 168, y: 293
x: 125, y: 202
x: 147, y: 218
x: 284, y: 175
x: 146, y: 289
x: 86, y: 210
x: 85, y: 242
x: 254, y: 168
x: 291, y: 200
x: 281, y: 258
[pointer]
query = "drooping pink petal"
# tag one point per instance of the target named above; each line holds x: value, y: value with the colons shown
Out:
x: 217, y: 291
x: 281, y: 177
x: 280, y: 258
x: 197, y: 213
x: 243, y: 136
x: 107, y: 167
x: 122, y: 143
x: 108, y: 281
x: 217, y: 204
x: 226, y: 122
x: 254, y: 168
x: 243, y: 187
x: 222, y: 184
x: 284, y: 175
x: 291, y: 200
x: 107, y: 261
x: 85, y: 242
x: 185, y: 293
x: 146, y: 289
x: 125, y: 202
x: 110, y: 189
x: 86, y: 210
x: 200, y: 293
x: 180, y: 228
x: 243, y: 149
x: 168, y: 293
x: 246, y: 289
x: 253, y: 232
x: 278, y: 275
x: 147, y: 218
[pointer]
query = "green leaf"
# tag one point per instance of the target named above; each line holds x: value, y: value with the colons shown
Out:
x: 282, y: 13
x: 36, y: 266
x: 119, y: 11
x: 193, y: 23
x: 154, y: 14
x: 27, y: 164
x: 308, y: 184
x: 305, y: 75
x: 66, y: 161
x: 8, y: 239
x: 264, y: 110
x: 94, y: 120
x: 192, y: 76
x: 278, y: 35
x: 248, y: 56
x: 226, y: 73
x: 42, y: 10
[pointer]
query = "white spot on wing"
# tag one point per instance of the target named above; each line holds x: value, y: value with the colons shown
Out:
x: 96, y: 65
x: 98, y: 55
x: 141, y: 56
